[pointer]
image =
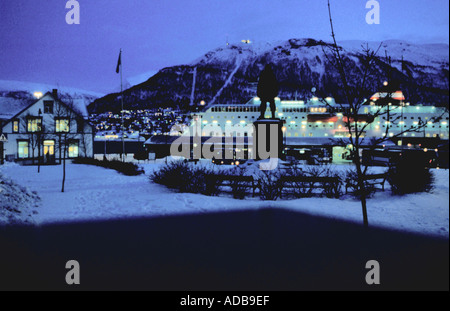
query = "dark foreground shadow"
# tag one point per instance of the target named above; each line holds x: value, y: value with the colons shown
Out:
x: 250, y: 250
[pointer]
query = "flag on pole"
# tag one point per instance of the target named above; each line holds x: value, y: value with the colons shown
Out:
x: 119, y: 62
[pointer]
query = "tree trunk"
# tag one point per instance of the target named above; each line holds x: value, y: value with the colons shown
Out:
x: 364, y: 209
x: 39, y: 156
x: 361, y: 188
x: 64, y: 170
x: 60, y: 149
x: 32, y: 153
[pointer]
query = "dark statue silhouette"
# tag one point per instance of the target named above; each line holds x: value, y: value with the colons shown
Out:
x: 267, y: 90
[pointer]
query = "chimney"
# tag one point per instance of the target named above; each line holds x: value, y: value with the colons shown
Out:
x: 55, y: 93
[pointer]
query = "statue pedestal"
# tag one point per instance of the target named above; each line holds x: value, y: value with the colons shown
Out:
x: 268, y: 139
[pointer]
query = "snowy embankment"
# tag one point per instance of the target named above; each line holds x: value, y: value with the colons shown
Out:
x: 17, y: 203
x: 95, y: 193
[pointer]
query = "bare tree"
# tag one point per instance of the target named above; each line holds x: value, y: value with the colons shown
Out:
x: 36, y: 134
x: 66, y: 117
x: 356, y: 95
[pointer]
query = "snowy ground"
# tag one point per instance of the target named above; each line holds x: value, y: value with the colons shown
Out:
x: 94, y: 193
x: 17, y: 203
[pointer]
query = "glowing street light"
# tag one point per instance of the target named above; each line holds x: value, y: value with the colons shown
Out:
x: 38, y: 94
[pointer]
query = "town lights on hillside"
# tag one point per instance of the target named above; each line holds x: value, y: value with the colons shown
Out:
x: 38, y: 94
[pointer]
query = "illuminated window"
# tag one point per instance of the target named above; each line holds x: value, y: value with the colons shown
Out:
x: 49, y: 148
x: 22, y: 149
x: 73, y: 150
x: 62, y: 125
x: 34, y: 124
x: 15, y: 126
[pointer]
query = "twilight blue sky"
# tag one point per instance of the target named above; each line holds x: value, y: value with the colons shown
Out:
x: 37, y: 45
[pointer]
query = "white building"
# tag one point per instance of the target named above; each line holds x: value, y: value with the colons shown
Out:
x: 48, y: 129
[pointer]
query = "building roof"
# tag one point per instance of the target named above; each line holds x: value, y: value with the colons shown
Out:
x: 12, y: 107
x: 9, y: 107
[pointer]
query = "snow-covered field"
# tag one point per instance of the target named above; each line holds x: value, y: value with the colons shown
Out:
x: 94, y: 193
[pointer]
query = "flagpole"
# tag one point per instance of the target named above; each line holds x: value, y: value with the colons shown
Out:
x: 121, y: 99
x: 402, y: 106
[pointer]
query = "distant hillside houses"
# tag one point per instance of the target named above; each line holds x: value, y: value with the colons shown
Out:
x: 46, y: 131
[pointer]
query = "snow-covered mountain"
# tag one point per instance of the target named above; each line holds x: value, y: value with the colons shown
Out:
x: 229, y: 74
x: 15, y: 95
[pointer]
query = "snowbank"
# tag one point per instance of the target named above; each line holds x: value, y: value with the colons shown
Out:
x: 17, y: 203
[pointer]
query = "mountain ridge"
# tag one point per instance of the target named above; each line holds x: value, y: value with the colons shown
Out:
x: 299, y: 64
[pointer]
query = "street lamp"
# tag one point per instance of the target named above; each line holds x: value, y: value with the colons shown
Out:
x: 284, y: 129
x: 39, y: 140
x: 38, y: 94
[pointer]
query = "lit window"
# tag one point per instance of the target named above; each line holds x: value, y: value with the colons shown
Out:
x: 62, y: 125
x: 49, y: 148
x: 22, y: 149
x: 34, y: 124
x: 16, y: 126
x: 73, y: 150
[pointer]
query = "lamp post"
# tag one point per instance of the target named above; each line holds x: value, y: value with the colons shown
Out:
x: 402, y: 122
x: 284, y: 129
x: 39, y: 141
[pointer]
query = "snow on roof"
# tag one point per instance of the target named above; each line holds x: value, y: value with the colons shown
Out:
x: 9, y: 107
x: 17, y: 95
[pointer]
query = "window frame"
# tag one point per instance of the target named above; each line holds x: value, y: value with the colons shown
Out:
x: 58, y: 124
x: 72, y: 143
x: 14, y: 121
x: 47, y: 102
x: 32, y: 118
x: 18, y: 148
